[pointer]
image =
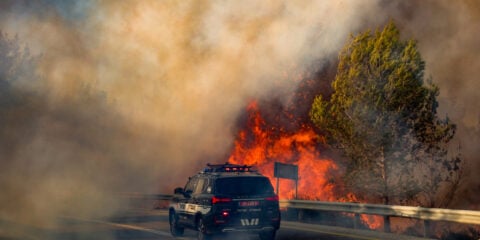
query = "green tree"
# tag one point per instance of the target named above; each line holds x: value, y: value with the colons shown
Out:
x: 383, y: 116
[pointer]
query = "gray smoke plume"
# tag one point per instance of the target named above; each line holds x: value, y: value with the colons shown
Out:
x: 137, y: 95
x: 448, y: 40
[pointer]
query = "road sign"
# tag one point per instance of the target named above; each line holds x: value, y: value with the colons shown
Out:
x: 282, y: 170
x: 289, y: 171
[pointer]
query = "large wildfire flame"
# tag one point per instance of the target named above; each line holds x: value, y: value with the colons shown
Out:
x: 319, y: 178
x: 261, y: 146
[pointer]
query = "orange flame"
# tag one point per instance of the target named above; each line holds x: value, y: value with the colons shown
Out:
x: 319, y: 178
x: 259, y: 146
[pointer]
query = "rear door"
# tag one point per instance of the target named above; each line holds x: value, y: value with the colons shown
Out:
x: 250, y: 196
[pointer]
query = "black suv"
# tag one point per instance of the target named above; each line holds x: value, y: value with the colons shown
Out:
x: 225, y: 198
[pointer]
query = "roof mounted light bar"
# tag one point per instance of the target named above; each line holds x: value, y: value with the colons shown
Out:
x: 228, y: 167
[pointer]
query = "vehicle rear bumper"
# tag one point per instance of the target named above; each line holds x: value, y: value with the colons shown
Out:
x: 249, y: 230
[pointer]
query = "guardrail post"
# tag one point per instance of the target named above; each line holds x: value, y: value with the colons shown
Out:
x: 292, y: 214
x: 426, y: 228
x: 300, y: 215
x: 356, y: 220
x: 386, y: 224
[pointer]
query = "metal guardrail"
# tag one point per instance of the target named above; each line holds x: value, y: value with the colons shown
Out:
x: 147, y: 196
x: 431, y: 214
x: 421, y: 213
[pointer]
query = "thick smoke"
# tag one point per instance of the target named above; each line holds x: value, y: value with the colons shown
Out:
x: 137, y: 95
x: 448, y: 37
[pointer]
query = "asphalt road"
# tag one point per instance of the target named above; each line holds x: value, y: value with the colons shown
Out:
x: 153, y: 224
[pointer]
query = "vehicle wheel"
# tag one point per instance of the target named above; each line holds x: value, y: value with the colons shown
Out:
x: 202, y: 231
x: 175, y: 230
x: 268, y: 235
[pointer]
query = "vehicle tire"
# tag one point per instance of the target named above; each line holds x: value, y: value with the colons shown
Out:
x: 268, y: 235
x: 175, y: 229
x: 202, y: 231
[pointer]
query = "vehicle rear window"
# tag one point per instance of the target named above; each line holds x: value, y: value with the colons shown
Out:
x: 243, y: 186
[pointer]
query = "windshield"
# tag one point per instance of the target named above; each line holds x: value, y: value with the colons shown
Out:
x: 244, y: 186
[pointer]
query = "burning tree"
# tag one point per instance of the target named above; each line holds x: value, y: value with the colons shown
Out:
x: 273, y: 131
x: 382, y: 116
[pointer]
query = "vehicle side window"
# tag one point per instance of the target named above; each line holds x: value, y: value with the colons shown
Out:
x: 207, y: 188
x: 199, y: 186
x: 191, y: 185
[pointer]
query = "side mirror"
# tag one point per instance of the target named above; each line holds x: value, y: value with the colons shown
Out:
x: 178, y: 190
x: 187, y: 194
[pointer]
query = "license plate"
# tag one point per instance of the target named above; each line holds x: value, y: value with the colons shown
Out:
x: 249, y: 203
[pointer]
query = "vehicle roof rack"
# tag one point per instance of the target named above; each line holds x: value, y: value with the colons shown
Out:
x: 228, y: 167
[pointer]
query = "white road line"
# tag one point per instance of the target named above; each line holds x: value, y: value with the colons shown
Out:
x: 346, y: 232
x: 310, y: 229
x: 127, y: 226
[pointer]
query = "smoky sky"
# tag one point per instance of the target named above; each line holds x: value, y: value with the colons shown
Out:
x: 146, y: 92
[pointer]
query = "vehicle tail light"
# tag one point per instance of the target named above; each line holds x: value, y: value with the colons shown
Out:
x: 225, y: 214
x: 272, y: 198
x: 222, y: 217
x: 216, y: 200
